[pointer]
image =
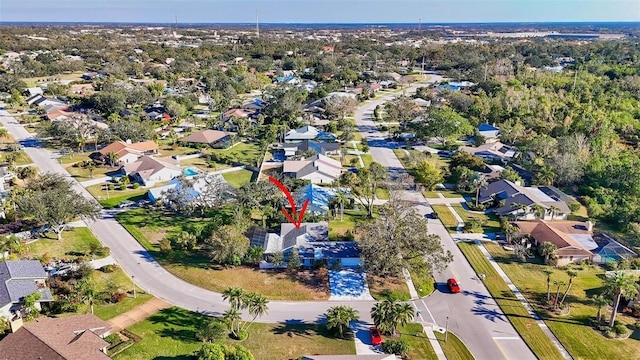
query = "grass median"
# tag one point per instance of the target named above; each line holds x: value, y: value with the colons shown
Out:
x: 520, y: 318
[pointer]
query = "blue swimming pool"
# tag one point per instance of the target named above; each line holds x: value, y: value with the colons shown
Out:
x: 190, y: 172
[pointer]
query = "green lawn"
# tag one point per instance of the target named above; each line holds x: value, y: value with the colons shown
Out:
x: 21, y: 159
x: 539, y: 343
x: 366, y: 159
x: 82, y: 174
x: 491, y: 221
x: 445, y: 215
x: 170, y: 333
x: 238, y: 178
x: 244, y: 153
x: 424, y: 284
x: 453, y: 348
x: 149, y: 227
x: 75, y: 243
x: 420, y: 347
x: 446, y: 193
x: 573, y: 330
x: 33, y: 81
x: 388, y: 288
x: 203, y: 164
x: 124, y: 284
x: 111, y: 198
x: 382, y: 193
x: 351, y: 218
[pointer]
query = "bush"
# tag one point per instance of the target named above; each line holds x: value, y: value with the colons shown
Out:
x: 165, y: 246
x: 118, y: 296
x: 113, y: 339
x: 620, y: 329
x: 123, y: 186
x: 397, y: 347
x: 136, y: 185
x: 574, y: 206
x: 109, y: 268
x: 111, y: 187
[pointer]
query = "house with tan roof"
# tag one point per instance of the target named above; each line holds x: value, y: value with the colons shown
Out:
x: 128, y: 152
x: 318, y: 169
x: 214, y: 138
x: 149, y: 170
x: 66, y: 338
x: 573, y: 239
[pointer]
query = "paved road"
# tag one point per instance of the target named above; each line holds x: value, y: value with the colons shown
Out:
x: 473, y: 315
x: 148, y: 274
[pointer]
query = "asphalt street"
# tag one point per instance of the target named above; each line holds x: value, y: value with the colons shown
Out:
x: 473, y: 314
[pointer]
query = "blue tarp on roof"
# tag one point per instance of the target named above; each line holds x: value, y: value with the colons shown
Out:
x: 319, y: 198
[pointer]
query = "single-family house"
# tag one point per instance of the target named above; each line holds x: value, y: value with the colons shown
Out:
x: 573, y: 239
x: 323, y: 148
x: 309, y: 133
x: 488, y: 132
x: 214, y: 138
x: 495, y: 151
x: 319, y: 198
x: 199, y: 186
x: 46, y: 103
x: 548, y: 203
x: 422, y: 103
x: 17, y: 280
x: 317, y: 169
x: 127, y: 152
x: 33, y: 91
x: 256, y: 104
x: 149, y: 170
x: 81, y: 89
x: 311, y: 240
x: 65, y: 338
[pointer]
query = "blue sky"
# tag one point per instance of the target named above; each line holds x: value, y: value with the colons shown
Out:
x: 319, y: 11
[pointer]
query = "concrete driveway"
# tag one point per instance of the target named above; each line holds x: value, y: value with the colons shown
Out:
x: 348, y: 285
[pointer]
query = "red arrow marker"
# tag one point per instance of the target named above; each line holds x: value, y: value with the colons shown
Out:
x: 294, y: 210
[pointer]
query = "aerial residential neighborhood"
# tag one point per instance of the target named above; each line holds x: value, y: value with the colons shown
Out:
x: 226, y: 190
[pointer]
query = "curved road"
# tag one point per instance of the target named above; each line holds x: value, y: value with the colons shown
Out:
x: 473, y: 315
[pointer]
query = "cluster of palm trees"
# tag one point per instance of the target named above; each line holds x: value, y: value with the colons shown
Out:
x: 387, y: 316
x: 239, y: 300
x: 558, y: 303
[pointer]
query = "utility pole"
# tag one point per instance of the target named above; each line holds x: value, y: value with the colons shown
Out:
x: 419, y: 24
x: 257, y: 25
x: 446, y: 329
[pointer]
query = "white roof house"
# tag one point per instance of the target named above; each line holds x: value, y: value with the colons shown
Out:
x: 317, y: 169
x: 308, y: 133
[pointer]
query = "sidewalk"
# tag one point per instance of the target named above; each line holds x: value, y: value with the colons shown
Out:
x: 137, y: 314
x: 525, y: 303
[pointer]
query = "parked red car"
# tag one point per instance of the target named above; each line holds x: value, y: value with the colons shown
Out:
x: 376, y: 337
x: 453, y: 285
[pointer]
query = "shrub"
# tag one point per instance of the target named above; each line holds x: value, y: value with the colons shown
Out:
x: 113, y: 339
x: 103, y: 251
x: 123, y: 186
x: 574, y: 206
x: 111, y: 187
x: 136, y: 185
x: 620, y: 329
x: 397, y: 347
x: 165, y: 246
x: 118, y: 296
x: 109, y: 268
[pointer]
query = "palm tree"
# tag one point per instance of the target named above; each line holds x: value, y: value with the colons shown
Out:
x: 558, y: 283
x: 381, y: 314
x: 232, y: 317
x: 257, y: 306
x: 478, y: 182
x: 112, y: 157
x: 509, y: 230
x: 520, y: 207
x: 91, y: 167
x: 341, y: 198
x: 234, y: 295
x: 554, y: 212
x: 402, y: 314
x: 572, y: 274
x: 599, y: 301
x: 545, y: 176
x: 548, y: 251
x: 548, y: 272
x: 339, y: 317
x: 539, y: 210
x: 619, y: 285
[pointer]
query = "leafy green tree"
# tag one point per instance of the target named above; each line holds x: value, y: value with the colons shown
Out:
x: 228, y: 245
x: 619, y: 285
x: 444, y: 124
x: 210, y: 330
x: 398, y: 238
x: 428, y: 173
x: 294, y: 260
x: 219, y: 351
x: 55, y: 206
x: 364, y: 183
x: 339, y: 317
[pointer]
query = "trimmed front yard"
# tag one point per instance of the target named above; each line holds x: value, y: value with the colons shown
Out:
x: 238, y: 178
x: 388, y: 288
x: 573, y: 330
x: 446, y: 216
x: 491, y: 222
x: 526, y: 326
x: 75, y: 243
x: 111, y: 198
x: 243, y: 153
x: 170, y: 333
x: 149, y: 227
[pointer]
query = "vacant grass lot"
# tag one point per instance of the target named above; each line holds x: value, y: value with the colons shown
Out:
x: 539, y: 343
x: 21, y: 157
x: 574, y: 330
x: 388, y: 288
x: 491, y: 221
x: 75, y: 243
x: 33, y: 81
x: 170, y: 334
x: 244, y: 153
x: 238, y: 178
x: 351, y: 218
x: 149, y: 227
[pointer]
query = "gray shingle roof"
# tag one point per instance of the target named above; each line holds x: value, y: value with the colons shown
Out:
x: 18, y: 279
